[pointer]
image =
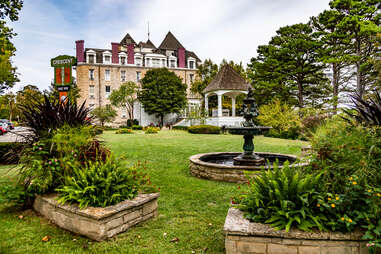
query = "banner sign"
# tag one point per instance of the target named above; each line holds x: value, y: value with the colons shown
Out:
x: 63, y: 69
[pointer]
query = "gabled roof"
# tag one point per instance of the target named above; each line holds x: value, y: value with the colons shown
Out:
x: 147, y: 44
x: 227, y: 79
x: 127, y: 40
x: 191, y: 54
x: 170, y: 42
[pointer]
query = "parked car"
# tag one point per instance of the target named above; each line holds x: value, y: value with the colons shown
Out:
x: 11, y: 126
x: 4, y: 127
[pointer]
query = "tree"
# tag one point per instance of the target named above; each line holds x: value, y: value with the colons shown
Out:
x: 163, y: 92
x: 237, y: 67
x: 8, y: 76
x: 206, y: 72
x: 125, y: 97
x: 72, y: 95
x: 104, y: 114
x: 359, y: 25
x: 8, y: 109
x: 288, y: 68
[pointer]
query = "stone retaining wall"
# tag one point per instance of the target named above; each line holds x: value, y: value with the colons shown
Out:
x: 242, y: 236
x: 98, y: 223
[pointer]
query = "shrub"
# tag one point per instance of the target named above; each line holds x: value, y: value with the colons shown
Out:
x: 284, y: 120
x: 131, y: 123
x: 368, y: 111
x: 101, y: 184
x: 151, y: 130
x: 342, y: 150
x: 5, y: 149
x: 204, y: 129
x: 137, y: 127
x: 124, y: 131
x: 283, y: 198
x: 184, y: 128
x: 98, y: 130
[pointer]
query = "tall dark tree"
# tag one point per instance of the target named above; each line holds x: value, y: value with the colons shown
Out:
x: 359, y: 25
x: 289, y: 68
x: 8, y: 76
x: 163, y: 92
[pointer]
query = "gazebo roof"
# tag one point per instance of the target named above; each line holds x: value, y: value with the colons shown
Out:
x: 227, y: 79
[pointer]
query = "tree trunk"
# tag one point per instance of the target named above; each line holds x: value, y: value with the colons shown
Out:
x: 300, y: 95
x: 359, y: 88
x: 335, y: 86
x: 161, y: 120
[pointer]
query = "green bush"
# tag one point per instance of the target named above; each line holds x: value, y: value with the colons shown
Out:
x: 342, y: 150
x: 137, y: 127
x: 284, y: 120
x: 184, y: 128
x: 101, y: 184
x: 284, y: 198
x: 151, y: 130
x: 204, y: 129
x: 124, y: 131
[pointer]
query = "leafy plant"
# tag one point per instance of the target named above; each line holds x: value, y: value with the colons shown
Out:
x: 151, y: 130
x: 137, y: 127
x: 341, y: 150
x: 284, y: 198
x: 104, y: 114
x: 124, y: 131
x: 101, y: 184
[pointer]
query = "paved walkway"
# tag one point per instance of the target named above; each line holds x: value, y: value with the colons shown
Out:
x: 14, y: 135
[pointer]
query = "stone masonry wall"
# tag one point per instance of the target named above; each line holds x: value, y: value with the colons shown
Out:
x: 244, y: 237
x: 98, y: 223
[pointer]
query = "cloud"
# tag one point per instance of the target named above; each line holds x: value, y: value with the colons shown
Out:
x: 213, y: 29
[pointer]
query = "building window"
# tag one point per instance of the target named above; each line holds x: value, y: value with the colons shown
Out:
x: 123, y: 60
x: 124, y: 113
x: 123, y: 76
x: 191, y: 65
x: 108, y: 91
x: 91, y: 74
x: 91, y: 58
x: 173, y: 64
x: 138, y: 61
x: 191, y: 78
x: 107, y: 59
x: 163, y: 63
x: 138, y: 76
x: 91, y: 92
x: 107, y: 75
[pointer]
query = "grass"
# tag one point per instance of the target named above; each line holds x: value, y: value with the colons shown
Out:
x: 190, y: 209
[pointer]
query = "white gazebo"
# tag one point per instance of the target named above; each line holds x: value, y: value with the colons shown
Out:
x: 226, y: 82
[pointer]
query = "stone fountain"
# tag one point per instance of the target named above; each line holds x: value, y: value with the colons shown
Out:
x: 230, y: 166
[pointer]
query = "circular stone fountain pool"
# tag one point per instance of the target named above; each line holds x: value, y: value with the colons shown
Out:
x: 220, y: 166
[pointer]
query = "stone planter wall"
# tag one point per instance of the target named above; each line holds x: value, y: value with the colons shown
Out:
x: 243, y: 236
x: 98, y: 223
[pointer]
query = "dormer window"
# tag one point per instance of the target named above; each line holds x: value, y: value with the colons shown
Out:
x: 90, y: 56
x: 138, y: 59
x: 122, y: 58
x: 172, y: 62
x: 106, y: 57
x: 191, y: 63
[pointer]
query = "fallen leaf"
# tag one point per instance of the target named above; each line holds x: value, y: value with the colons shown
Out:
x: 45, y: 238
x: 21, y: 217
x: 175, y: 240
x: 74, y: 239
x: 210, y: 224
x: 165, y: 234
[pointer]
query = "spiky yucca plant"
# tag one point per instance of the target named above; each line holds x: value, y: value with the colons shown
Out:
x: 368, y: 112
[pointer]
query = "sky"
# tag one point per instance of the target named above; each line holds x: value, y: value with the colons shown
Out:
x: 215, y: 29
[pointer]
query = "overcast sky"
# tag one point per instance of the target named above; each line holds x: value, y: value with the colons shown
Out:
x: 216, y: 29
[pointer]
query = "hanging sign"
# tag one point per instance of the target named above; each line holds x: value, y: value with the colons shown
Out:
x: 63, y: 74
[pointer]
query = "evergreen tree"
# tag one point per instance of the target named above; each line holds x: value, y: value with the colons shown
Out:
x: 163, y: 92
x: 288, y: 68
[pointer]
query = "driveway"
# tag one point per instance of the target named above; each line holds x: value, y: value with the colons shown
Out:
x: 14, y: 135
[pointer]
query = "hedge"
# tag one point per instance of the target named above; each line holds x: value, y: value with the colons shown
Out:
x: 204, y: 129
x: 183, y: 128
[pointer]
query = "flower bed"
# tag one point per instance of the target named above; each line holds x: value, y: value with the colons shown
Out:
x: 98, y: 223
x: 243, y: 236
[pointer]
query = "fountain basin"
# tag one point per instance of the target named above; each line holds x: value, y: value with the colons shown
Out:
x: 220, y: 167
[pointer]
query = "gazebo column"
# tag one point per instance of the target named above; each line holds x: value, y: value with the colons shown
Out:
x: 219, y: 112
x: 233, y: 106
x: 206, y: 106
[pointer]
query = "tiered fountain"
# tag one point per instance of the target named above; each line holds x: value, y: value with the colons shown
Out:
x: 230, y: 166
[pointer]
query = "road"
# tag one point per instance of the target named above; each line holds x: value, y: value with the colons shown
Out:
x: 14, y: 135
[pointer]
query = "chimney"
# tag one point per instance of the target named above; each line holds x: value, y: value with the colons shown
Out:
x: 181, y: 56
x: 130, y: 53
x: 115, y: 51
x: 80, y: 51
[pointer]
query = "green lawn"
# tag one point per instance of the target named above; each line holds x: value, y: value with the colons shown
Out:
x: 191, y: 209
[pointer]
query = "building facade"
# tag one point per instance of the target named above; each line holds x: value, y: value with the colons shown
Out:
x: 100, y: 71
